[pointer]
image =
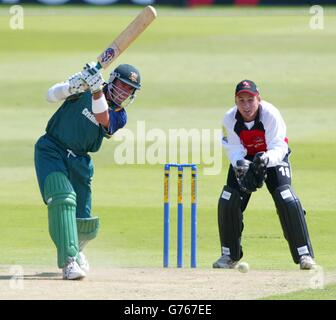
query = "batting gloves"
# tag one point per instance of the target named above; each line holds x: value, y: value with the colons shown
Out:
x: 77, y: 83
x: 93, y: 77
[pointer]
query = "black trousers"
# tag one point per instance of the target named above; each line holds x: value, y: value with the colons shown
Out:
x: 290, y: 211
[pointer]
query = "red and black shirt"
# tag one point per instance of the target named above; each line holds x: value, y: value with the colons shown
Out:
x: 266, y: 133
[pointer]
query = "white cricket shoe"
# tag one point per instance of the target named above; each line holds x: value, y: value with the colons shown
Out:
x: 83, y: 262
x: 225, y: 262
x: 307, y: 263
x: 72, y: 270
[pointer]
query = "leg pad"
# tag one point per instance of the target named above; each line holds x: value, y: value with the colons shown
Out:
x: 293, y: 222
x: 61, y: 200
x: 230, y: 223
x: 87, y: 230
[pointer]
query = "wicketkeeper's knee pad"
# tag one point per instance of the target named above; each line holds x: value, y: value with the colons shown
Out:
x: 61, y: 200
x: 87, y: 230
x: 230, y: 222
x: 293, y: 222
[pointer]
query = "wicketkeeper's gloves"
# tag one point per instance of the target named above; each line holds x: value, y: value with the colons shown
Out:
x: 259, y: 167
x: 252, y: 174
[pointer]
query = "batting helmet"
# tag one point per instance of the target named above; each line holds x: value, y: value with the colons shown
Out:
x: 128, y: 74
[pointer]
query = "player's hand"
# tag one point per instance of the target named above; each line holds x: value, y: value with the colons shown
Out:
x: 77, y: 84
x: 93, y: 77
x: 245, y: 176
x: 259, y: 167
x: 251, y: 175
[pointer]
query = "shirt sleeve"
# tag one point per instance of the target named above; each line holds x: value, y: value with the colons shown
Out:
x: 58, y: 92
x: 231, y: 141
x: 275, y: 135
x: 117, y: 121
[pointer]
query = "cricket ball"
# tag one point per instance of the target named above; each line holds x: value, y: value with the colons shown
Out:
x: 243, y: 267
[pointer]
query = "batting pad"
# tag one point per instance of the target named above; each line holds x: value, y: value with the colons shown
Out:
x: 61, y: 201
x: 87, y: 230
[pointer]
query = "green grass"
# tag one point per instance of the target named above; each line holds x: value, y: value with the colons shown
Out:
x: 327, y: 293
x: 190, y: 61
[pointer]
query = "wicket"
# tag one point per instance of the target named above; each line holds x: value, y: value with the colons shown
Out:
x: 180, y: 218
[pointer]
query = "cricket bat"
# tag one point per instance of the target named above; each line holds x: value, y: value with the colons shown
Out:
x: 126, y: 37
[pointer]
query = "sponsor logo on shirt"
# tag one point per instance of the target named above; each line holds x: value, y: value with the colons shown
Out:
x: 90, y: 116
x: 258, y: 142
x: 224, y: 135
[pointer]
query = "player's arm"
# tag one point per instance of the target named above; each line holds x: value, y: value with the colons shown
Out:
x: 117, y: 121
x: 231, y: 142
x: 92, y: 76
x: 111, y: 121
x: 275, y: 134
x: 100, y: 109
x: 60, y: 91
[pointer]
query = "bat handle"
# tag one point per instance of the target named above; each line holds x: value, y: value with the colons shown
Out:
x: 98, y: 66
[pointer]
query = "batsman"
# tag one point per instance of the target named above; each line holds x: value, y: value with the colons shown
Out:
x: 91, y: 110
x: 254, y: 136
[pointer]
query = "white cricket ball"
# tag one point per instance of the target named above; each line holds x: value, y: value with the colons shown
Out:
x: 243, y: 267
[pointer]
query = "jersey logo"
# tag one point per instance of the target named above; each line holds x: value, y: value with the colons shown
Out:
x: 253, y: 140
x: 258, y: 142
x: 224, y: 135
x: 90, y: 116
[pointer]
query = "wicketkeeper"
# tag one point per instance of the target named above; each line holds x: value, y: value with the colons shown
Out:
x: 91, y: 110
x: 254, y: 136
